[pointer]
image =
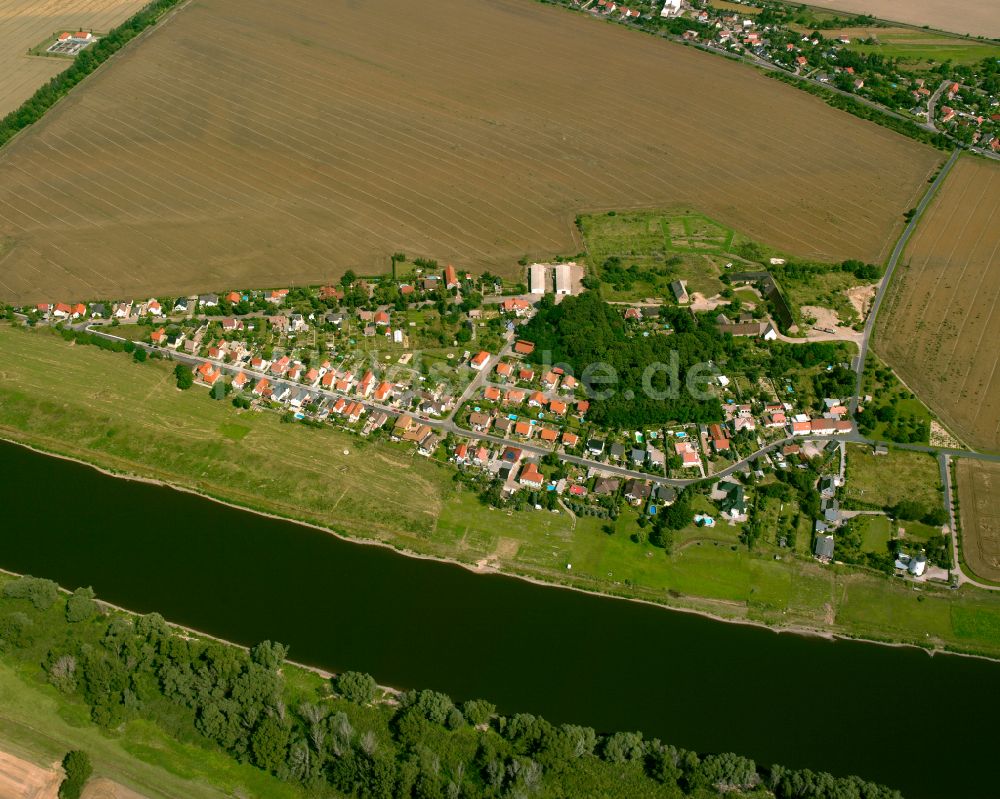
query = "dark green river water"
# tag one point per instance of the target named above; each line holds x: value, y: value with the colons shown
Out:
x: 925, y: 725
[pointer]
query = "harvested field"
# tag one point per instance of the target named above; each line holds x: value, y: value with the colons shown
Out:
x: 26, y: 23
x: 256, y: 143
x: 975, y: 17
x: 938, y: 327
x: 20, y: 779
x: 979, y: 504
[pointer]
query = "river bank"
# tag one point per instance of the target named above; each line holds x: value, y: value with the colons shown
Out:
x: 476, y: 568
x: 129, y: 420
x: 245, y: 577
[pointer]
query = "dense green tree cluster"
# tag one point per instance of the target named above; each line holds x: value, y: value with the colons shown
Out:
x: 590, y: 338
x: 345, y: 737
x: 78, y: 769
x: 628, y: 374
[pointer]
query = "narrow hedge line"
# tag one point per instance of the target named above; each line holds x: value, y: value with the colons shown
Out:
x: 83, y: 64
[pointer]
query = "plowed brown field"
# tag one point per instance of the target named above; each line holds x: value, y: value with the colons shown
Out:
x: 939, y: 326
x: 26, y: 23
x: 979, y: 504
x: 263, y: 142
x: 975, y: 17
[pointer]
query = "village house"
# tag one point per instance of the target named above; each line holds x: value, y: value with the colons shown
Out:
x: 689, y: 458
x: 606, y: 486
x: 823, y: 548
x: 480, y: 422
x: 208, y: 373
x: 530, y: 476
x: 637, y: 491
x: 516, y: 306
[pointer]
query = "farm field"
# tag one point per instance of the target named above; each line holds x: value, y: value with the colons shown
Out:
x: 251, y: 143
x: 974, y: 17
x: 938, y: 325
x: 26, y: 23
x: 979, y: 503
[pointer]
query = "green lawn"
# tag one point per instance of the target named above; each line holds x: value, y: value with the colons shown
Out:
x: 887, y: 608
x: 663, y: 246
x: 918, y: 530
x: 884, y: 480
x: 876, y: 531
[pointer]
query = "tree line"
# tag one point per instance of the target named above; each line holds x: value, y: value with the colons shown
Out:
x: 346, y: 736
x: 84, y: 63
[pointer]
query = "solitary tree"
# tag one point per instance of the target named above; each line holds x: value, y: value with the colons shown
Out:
x: 185, y: 379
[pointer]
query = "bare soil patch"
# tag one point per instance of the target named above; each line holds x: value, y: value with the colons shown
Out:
x: 26, y: 23
x: 938, y: 326
x: 979, y: 505
x: 861, y: 298
x: 20, y: 779
x: 256, y: 143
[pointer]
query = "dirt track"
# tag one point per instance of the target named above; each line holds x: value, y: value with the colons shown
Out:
x: 253, y: 143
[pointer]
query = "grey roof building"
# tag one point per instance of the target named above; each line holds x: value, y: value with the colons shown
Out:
x: 823, y: 547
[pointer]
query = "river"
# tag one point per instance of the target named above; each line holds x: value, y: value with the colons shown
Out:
x: 894, y: 715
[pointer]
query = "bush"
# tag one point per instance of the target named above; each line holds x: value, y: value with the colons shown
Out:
x: 77, y: 766
x: 356, y: 687
x: 41, y: 593
x: 81, y: 605
x: 185, y: 378
x: 478, y: 711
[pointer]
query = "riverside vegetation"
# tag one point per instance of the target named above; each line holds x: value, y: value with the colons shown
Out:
x: 345, y: 736
x: 129, y: 418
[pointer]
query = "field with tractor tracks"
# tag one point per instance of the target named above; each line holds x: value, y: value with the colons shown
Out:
x: 251, y: 143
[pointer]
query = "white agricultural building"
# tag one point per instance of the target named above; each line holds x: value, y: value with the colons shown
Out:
x: 538, y: 274
x: 564, y: 278
x: 671, y: 8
